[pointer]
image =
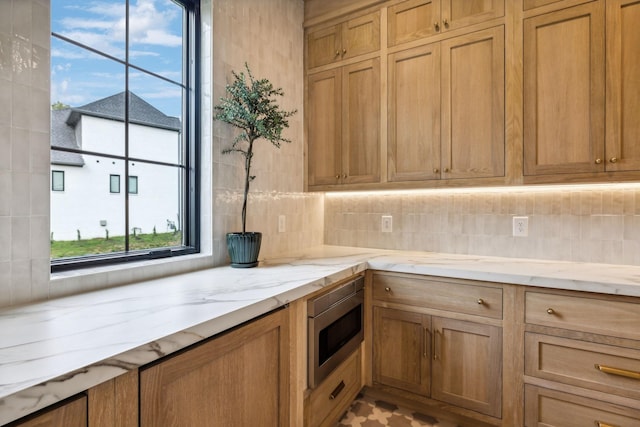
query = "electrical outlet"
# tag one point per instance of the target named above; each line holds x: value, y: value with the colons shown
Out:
x: 282, y: 224
x: 520, y: 226
x: 387, y: 223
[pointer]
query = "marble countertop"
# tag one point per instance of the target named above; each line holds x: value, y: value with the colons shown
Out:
x: 55, y: 349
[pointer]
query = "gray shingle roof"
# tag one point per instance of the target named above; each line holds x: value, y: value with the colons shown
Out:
x: 63, y: 122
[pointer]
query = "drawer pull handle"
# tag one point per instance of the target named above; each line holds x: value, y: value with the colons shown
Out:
x: 616, y: 371
x: 336, y: 391
x: 550, y: 311
x: 427, y: 332
x: 601, y: 424
x: 387, y: 289
x: 480, y: 301
x: 437, y: 344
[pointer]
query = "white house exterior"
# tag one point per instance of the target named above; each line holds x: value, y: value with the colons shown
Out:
x: 88, y: 203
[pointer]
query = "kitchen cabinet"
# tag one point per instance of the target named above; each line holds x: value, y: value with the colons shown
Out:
x: 434, y: 132
x: 328, y: 402
x: 415, y: 19
x: 421, y: 346
x: 343, y: 123
x: 234, y: 379
x: 70, y: 413
x: 576, y: 119
x: 582, y: 357
x: 348, y: 39
x: 564, y: 91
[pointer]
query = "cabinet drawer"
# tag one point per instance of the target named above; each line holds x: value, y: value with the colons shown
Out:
x: 331, y: 398
x: 598, y: 315
x: 556, y: 409
x: 438, y: 294
x: 614, y: 370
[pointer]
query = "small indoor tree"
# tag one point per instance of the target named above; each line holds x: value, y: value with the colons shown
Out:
x: 250, y: 106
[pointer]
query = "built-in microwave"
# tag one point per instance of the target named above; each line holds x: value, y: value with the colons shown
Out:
x: 335, y: 321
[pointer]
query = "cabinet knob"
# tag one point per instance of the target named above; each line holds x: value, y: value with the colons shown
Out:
x: 598, y: 161
x: 480, y: 301
x: 344, y: 176
x: 550, y: 311
x: 613, y: 159
x: 436, y: 25
x: 387, y: 289
x: 445, y: 22
x: 344, y: 51
x: 446, y: 170
x: 436, y: 170
x: 338, y: 176
x: 337, y: 53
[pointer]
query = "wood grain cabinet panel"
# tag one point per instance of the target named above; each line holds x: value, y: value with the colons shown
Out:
x: 551, y: 408
x: 348, y: 39
x: 238, y: 379
x: 623, y: 85
x: 72, y: 413
x: 434, y: 132
x: 415, y: 19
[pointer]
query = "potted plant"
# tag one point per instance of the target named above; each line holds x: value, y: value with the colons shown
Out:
x: 251, y: 107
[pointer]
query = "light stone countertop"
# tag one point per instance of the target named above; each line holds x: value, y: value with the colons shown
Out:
x: 55, y: 349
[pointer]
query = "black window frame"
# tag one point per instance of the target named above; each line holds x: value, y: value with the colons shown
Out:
x: 54, y: 172
x: 191, y: 185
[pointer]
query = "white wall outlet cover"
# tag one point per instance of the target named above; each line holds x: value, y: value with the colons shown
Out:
x: 520, y: 226
x: 282, y: 224
x: 387, y: 223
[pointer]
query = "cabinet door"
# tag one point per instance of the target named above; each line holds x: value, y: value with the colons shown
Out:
x: 361, y: 35
x: 324, y: 46
x: 461, y: 13
x: 467, y: 365
x: 238, y: 379
x: 401, y: 350
x: 414, y: 114
x: 324, y: 127
x: 70, y: 414
x: 361, y: 125
x: 623, y: 85
x: 473, y: 105
x: 564, y: 91
x: 411, y: 20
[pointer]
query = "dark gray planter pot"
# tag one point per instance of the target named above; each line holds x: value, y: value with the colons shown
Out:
x: 244, y: 248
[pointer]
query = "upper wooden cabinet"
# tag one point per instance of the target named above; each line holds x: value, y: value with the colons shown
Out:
x: 564, y: 91
x: 622, y: 149
x: 343, y: 125
x: 415, y: 19
x: 345, y: 40
x: 579, y: 117
x: 434, y: 131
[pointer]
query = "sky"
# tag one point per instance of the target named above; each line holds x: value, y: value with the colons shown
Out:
x: 79, y: 77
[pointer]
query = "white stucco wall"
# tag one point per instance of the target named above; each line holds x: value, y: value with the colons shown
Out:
x: 87, y: 200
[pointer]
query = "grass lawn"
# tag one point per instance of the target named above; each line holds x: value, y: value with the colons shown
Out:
x: 70, y: 248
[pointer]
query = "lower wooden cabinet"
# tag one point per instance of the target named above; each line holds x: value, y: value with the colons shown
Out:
x: 449, y: 360
x: 238, y: 379
x: 332, y: 397
x: 72, y: 413
x: 551, y: 408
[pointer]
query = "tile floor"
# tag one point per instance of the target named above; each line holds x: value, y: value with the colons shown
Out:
x: 368, y: 412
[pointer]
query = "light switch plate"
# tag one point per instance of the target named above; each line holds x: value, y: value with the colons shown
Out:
x: 387, y: 223
x: 520, y: 226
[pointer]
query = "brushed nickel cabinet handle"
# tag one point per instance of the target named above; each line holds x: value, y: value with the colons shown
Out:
x: 437, y: 344
x: 336, y: 391
x: 426, y: 341
x: 617, y: 371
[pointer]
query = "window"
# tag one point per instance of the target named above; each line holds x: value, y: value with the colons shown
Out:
x: 133, y: 185
x: 114, y: 183
x: 57, y: 180
x: 124, y: 91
